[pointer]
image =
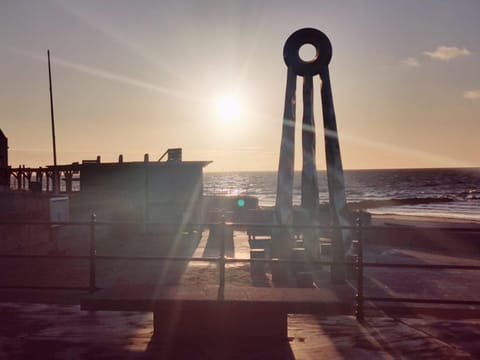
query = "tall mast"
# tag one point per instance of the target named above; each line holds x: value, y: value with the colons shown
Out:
x: 55, y: 169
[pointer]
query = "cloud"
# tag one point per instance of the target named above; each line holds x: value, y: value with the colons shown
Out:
x: 472, y: 94
x: 446, y: 53
x: 410, y: 62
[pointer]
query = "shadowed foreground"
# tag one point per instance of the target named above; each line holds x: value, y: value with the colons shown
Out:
x: 50, y: 325
x: 52, y: 331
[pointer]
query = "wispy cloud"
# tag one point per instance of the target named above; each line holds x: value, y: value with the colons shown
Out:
x: 410, y: 62
x: 446, y: 53
x: 100, y: 73
x: 472, y: 94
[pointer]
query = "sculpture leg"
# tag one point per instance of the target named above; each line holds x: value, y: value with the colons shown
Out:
x: 336, y: 183
x: 281, y: 238
x: 309, y: 198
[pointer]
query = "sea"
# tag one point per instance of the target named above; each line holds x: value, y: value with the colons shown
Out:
x: 442, y: 193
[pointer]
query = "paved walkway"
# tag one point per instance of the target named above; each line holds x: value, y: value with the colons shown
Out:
x: 51, y: 325
x: 48, y: 331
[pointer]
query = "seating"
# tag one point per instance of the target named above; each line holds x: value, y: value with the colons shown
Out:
x: 212, y: 312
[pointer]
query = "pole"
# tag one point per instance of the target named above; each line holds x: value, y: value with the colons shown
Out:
x: 93, y: 252
x: 55, y: 184
x: 222, y: 259
x: 360, y: 293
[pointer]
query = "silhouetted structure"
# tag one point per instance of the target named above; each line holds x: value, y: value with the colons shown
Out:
x: 162, y: 192
x: 166, y: 192
x: 4, y: 174
x: 283, y: 241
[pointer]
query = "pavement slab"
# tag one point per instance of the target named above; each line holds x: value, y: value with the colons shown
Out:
x: 52, y: 331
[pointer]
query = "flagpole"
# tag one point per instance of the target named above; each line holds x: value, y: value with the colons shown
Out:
x: 55, y: 169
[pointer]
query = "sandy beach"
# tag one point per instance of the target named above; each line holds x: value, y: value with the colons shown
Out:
x: 424, y: 221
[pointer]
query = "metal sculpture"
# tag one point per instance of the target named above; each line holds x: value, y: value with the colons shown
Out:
x: 282, y: 243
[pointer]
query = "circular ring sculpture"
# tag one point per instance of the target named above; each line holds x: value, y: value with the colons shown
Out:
x: 317, y: 39
x: 342, y: 239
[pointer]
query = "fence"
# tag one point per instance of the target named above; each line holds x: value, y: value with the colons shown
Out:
x: 361, y: 298
x: 222, y: 260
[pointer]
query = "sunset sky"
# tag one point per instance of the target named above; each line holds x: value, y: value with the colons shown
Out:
x: 135, y: 77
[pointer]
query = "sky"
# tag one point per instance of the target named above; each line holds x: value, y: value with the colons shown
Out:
x: 136, y: 77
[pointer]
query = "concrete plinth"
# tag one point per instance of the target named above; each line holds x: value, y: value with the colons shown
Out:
x: 257, y: 268
x: 219, y: 320
x: 304, y: 280
x: 298, y: 254
x: 280, y: 273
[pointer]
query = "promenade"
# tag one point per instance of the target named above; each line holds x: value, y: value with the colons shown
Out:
x: 40, y: 324
x: 55, y: 331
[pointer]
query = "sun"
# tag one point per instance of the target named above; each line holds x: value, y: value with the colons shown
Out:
x: 228, y: 107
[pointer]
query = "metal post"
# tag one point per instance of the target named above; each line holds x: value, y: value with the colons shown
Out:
x: 24, y: 177
x: 92, y: 253
x: 53, y: 236
x: 222, y: 256
x: 56, y: 177
x: 360, y: 310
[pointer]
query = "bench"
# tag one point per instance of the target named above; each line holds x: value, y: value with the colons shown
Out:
x: 212, y: 312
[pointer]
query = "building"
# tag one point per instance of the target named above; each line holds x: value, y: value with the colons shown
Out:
x: 168, y: 192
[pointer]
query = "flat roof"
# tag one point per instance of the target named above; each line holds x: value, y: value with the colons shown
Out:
x: 79, y: 166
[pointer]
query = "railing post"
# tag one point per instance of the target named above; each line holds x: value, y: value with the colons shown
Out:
x: 222, y: 255
x: 92, y: 252
x: 53, y: 236
x: 359, y: 266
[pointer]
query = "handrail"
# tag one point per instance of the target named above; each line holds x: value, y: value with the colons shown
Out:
x: 222, y: 259
x: 247, y: 224
x: 360, y: 297
x: 422, y: 301
x: 93, y: 253
x: 361, y: 264
x: 422, y: 266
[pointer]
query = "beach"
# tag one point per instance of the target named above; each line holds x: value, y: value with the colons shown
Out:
x: 424, y: 221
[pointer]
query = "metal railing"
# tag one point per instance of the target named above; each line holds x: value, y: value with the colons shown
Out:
x: 361, y: 298
x: 222, y: 260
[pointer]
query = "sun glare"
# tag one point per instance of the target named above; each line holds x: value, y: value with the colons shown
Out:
x: 228, y: 107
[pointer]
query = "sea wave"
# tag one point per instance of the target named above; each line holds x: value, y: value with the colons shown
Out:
x: 444, y: 192
x: 371, y: 204
x: 426, y: 213
x: 469, y: 195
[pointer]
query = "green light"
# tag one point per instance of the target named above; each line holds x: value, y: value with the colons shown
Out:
x: 240, y: 202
